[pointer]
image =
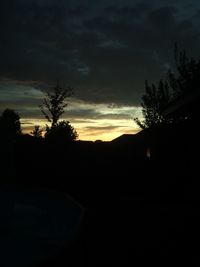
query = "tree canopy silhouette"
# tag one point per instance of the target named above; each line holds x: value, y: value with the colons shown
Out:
x: 62, y: 132
x: 188, y: 73
x: 37, y: 132
x: 157, y: 97
x: 10, y: 124
x: 52, y: 108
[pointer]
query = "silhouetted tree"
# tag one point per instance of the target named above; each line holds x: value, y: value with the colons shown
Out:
x: 155, y: 98
x: 53, y: 106
x: 62, y: 132
x: 9, y: 124
x: 37, y: 132
x: 9, y: 129
x: 188, y: 73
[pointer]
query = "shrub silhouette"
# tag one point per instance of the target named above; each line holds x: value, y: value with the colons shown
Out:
x: 37, y: 132
x: 62, y: 132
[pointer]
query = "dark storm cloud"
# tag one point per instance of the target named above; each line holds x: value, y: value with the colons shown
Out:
x: 105, y: 49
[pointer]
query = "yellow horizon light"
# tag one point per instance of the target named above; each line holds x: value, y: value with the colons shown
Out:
x: 89, y: 131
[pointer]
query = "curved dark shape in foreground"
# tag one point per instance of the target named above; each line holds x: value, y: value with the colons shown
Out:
x: 35, y: 225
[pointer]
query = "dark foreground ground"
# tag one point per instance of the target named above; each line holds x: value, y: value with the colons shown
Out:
x: 138, y: 211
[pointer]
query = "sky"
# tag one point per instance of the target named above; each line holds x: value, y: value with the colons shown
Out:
x: 104, y: 49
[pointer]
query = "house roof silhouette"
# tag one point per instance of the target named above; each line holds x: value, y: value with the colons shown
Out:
x: 124, y: 138
x: 185, y: 105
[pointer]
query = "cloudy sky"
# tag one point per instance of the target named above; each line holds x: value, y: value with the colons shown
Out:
x: 105, y: 49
